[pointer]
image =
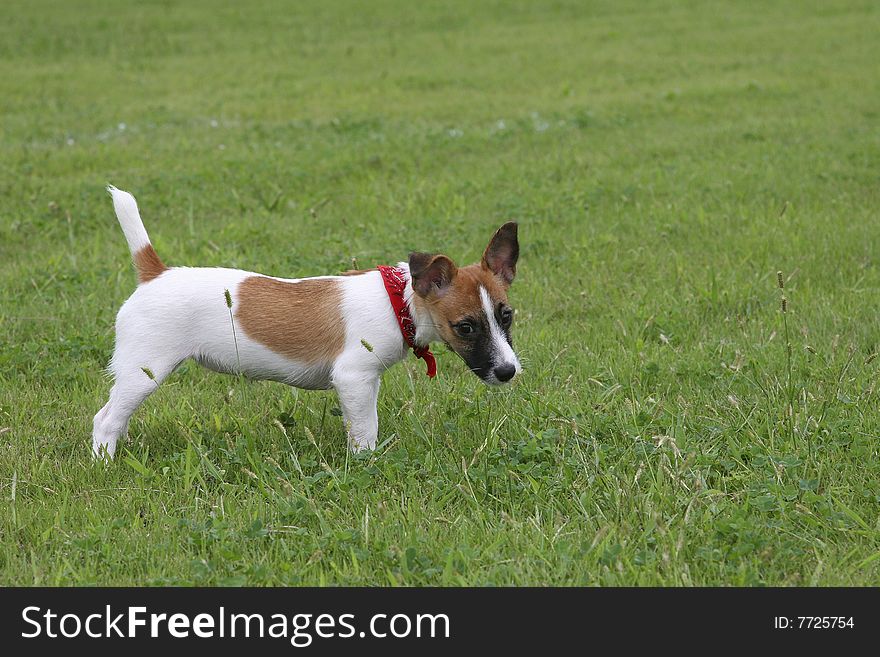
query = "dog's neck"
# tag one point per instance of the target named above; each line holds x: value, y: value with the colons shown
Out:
x: 426, y: 331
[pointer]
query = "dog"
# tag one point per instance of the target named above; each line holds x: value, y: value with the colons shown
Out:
x: 338, y: 332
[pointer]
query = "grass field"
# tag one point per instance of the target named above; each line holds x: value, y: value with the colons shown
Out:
x: 671, y: 425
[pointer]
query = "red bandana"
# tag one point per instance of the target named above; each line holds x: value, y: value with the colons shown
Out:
x: 395, y: 282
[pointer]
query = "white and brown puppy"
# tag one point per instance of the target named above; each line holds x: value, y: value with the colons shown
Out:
x: 316, y: 333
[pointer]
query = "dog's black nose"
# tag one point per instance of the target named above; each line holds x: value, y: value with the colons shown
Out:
x: 504, y: 372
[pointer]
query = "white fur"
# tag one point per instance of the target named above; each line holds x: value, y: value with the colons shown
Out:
x: 373, y: 343
x: 503, y: 353
x: 129, y: 218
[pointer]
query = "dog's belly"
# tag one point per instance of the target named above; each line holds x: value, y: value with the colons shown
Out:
x: 308, y: 378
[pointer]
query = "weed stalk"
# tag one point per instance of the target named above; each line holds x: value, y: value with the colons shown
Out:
x: 228, y: 298
x: 789, y: 410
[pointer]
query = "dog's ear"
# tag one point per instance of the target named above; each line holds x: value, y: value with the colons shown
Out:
x: 502, y: 253
x: 431, y: 274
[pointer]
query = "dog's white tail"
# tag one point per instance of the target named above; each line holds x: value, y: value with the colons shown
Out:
x: 146, y: 260
x: 130, y: 219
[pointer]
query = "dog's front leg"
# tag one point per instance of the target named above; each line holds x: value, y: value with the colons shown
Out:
x: 358, y: 394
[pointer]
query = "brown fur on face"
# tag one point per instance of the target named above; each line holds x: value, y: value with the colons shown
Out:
x: 148, y: 264
x: 462, y: 300
x: 300, y: 321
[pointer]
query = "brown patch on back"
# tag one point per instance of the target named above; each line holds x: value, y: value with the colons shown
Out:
x: 300, y: 321
x: 463, y: 299
x: 148, y: 264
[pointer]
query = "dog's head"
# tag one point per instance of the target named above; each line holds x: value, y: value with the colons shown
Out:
x: 468, y: 305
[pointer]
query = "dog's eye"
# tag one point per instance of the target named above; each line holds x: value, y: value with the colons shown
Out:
x: 465, y: 328
x: 506, y: 316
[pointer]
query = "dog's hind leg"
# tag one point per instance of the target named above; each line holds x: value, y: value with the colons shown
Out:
x: 132, y: 386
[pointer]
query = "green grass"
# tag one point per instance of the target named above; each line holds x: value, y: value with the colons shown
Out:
x: 664, y: 162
